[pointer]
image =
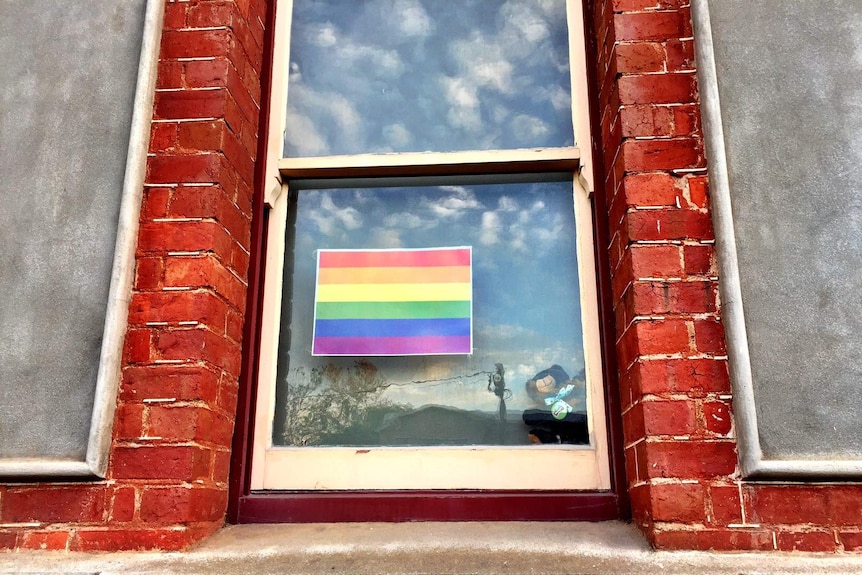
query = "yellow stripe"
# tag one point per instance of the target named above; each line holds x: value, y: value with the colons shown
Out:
x: 395, y: 275
x: 393, y: 292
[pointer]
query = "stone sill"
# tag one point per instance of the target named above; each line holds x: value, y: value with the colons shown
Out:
x: 444, y: 548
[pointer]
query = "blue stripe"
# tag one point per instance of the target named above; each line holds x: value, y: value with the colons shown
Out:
x: 391, y: 327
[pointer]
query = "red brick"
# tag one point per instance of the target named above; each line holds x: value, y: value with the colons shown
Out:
x: 198, y: 168
x: 662, y: 154
x: 140, y: 539
x: 163, y: 136
x: 683, y: 375
x: 201, y: 306
x: 673, y: 88
x: 851, y: 540
x: 651, y: 189
x: 190, y: 104
x: 175, y: 15
x: 641, y: 5
x: 668, y: 224
x: 639, y: 57
x: 656, y: 261
x: 201, y: 135
x: 221, y: 466
x: 148, y: 273
x: 212, y: 202
x: 122, y: 504
x: 679, y: 503
x: 680, y: 54
x: 128, y: 421
x: 199, y: 344
x: 690, y: 459
x: 194, y: 236
x: 641, y: 505
x: 181, y: 505
x: 844, y: 504
x: 184, y: 383
x: 661, y: 336
x: 45, y: 540
x: 9, y: 539
x: 170, y: 75
x: 63, y: 504
x: 726, y: 505
x: 717, y: 418
x: 633, y: 424
x: 821, y: 541
x: 136, y: 348
x: 186, y: 423
x: 646, y: 121
x: 698, y: 191
x: 650, y: 26
x: 192, y: 43
x: 652, y: 298
x: 160, y: 462
x: 709, y: 337
x: 669, y: 417
x: 155, y: 203
x: 699, y: 260
x: 205, y: 272
x: 211, y: 14
x: 714, y: 539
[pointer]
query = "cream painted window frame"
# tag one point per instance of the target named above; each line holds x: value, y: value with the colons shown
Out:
x: 551, y: 467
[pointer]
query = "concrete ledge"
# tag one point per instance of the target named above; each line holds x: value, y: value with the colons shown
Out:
x: 442, y: 548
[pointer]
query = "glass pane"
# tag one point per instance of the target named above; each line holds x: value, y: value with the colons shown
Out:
x: 427, y: 75
x: 523, y: 382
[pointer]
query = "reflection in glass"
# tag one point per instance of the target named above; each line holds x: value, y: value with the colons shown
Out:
x: 524, y: 381
x: 427, y: 75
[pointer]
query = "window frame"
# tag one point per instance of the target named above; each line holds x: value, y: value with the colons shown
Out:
x: 597, y: 501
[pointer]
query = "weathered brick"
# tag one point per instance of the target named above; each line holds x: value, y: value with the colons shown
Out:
x: 62, y: 504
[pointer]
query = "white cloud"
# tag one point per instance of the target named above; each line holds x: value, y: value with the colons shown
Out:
x: 403, y: 220
x: 323, y: 35
x: 489, y: 232
x: 302, y: 136
x: 413, y: 20
x: 386, y: 238
x: 529, y: 128
x: 459, y: 201
x: 397, y: 136
x: 507, y: 204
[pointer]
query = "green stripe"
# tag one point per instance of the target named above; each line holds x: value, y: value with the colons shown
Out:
x: 393, y: 310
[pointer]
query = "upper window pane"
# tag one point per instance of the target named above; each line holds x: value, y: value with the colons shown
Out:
x: 376, y: 76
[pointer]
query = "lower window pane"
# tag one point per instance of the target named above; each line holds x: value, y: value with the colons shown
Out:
x: 524, y: 381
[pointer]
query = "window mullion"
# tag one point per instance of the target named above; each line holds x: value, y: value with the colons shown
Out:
x: 433, y: 163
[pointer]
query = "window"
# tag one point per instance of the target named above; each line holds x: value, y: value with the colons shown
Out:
x: 410, y: 129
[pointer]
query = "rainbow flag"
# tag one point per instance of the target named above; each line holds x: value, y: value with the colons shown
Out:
x: 394, y: 302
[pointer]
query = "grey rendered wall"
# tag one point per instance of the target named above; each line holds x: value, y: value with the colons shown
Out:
x: 781, y: 89
x: 74, y: 118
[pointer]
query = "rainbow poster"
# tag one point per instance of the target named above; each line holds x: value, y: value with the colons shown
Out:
x: 394, y: 302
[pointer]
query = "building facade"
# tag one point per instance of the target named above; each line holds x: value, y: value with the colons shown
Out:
x: 180, y: 449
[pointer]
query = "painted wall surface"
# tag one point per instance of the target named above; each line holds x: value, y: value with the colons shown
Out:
x: 69, y: 74
x: 784, y: 129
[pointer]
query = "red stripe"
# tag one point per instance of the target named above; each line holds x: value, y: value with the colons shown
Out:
x: 428, y: 345
x: 419, y: 258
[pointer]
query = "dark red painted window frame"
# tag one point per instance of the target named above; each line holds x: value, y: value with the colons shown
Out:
x: 245, y: 506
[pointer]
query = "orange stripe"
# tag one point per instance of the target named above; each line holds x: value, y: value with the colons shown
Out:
x: 394, y: 275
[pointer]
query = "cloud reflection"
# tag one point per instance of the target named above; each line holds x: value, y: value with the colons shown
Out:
x: 420, y: 75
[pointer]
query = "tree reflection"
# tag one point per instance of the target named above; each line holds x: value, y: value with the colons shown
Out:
x: 336, y: 405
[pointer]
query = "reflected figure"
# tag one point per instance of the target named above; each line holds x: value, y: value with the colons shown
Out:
x: 556, y: 420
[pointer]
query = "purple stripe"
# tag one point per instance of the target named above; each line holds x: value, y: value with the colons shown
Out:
x: 427, y: 345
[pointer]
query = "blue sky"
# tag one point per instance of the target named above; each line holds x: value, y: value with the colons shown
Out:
x: 427, y: 75
x: 525, y: 297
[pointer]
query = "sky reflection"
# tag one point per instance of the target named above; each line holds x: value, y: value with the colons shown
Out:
x: 427, y: 75
x: 525, y: 281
